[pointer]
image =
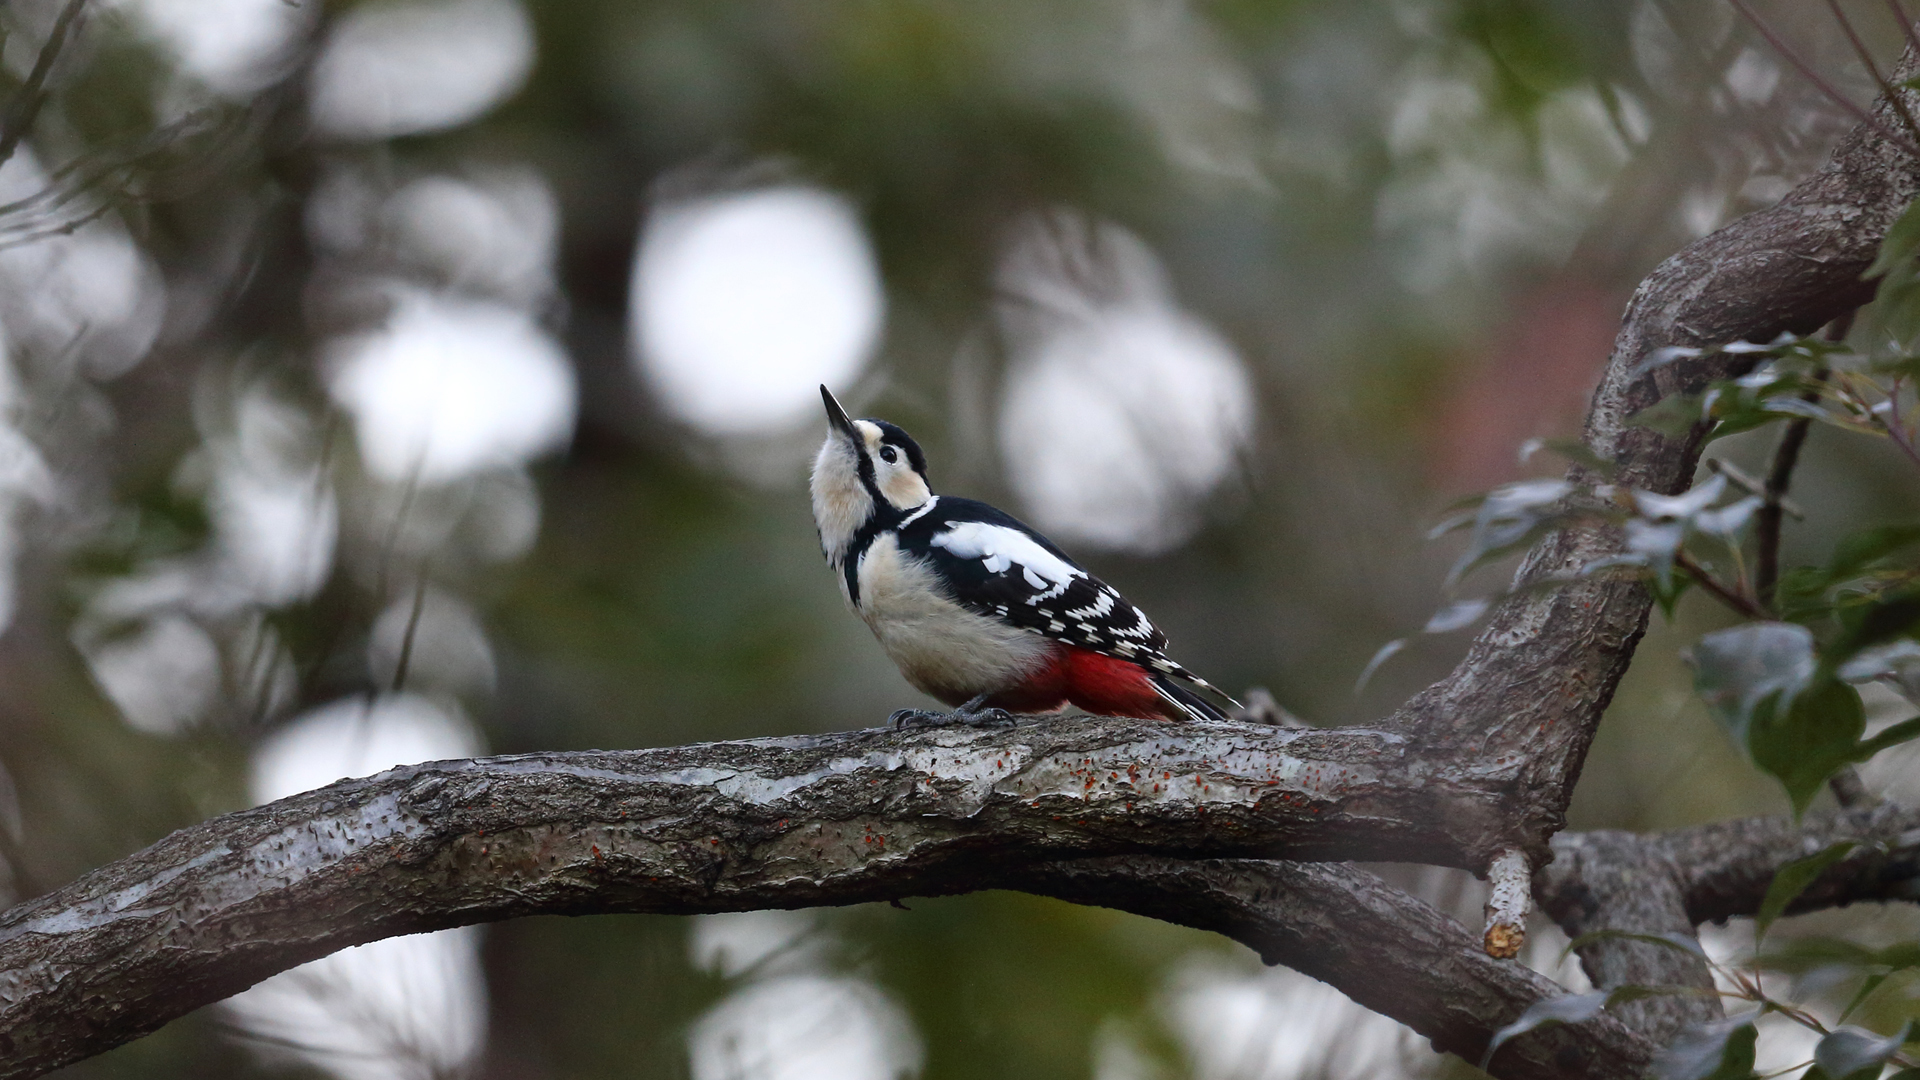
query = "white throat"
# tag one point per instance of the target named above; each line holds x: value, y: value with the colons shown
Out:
x: 840, y: 502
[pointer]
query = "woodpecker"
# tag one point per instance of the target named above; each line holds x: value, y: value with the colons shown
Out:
x: 977, y: 609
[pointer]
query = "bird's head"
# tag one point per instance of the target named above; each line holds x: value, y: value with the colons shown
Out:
x: 866, y: 470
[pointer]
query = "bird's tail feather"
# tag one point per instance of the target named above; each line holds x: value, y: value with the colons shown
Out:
x: 1166, y: 666
x: 1188, y: 702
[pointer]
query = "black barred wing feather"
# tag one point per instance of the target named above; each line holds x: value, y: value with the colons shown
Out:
x: 996, y: 566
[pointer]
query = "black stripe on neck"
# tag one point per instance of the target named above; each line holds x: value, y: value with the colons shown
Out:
x: 885, y: 518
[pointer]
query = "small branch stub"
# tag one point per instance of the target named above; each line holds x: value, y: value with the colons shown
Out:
x: 1508, y: 904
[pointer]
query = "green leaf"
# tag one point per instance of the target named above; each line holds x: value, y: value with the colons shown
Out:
x: 1896, y: 307
x: 1735, y: 670
x: 1568, y: 1009
x: 1792, y: 879
x: 1671, y: 939
x: 1882, y: 618
x: 1722, y: 1050
x: 1673, y: 416
x: 1802, y: 592
x: 1867, y: 987
x: 1796, y: 719
x: 1806, y: 954
x: 1901, y: 244
x: 1803, y: 954
x: 1902, y: 954
x: 1511, y: 517
x: 1852, y: 1054
x: 1573, y: 450
x: 1382, y: 655
x: 1573, y: 1008
x: 1905, y: 367
x: 1740, y: 421
x: 1857, y: 550
x: 1668, y: 593
x: 1808, y: 740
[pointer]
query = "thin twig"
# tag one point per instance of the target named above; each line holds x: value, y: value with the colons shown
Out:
x: 1742, y: 604
x: 33, y: 93
x: 1766, y: 527
x: 1896, y: 427
x: 413, y: 626
x: 1860, y: 49
x: 1739, y: 478
x: 1819, y: 81
x: 1849, y: 790
x: 1906, y: 25
x: 1766, y: 522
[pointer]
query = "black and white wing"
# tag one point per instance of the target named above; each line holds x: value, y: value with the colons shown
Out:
x: 996, y: 566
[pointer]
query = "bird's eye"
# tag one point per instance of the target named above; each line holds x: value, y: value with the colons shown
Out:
x: 889, y: 455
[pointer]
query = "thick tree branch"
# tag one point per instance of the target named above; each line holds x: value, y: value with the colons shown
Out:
x: 1617, y: 881
x: 1725, y: 868
x: 1379, y: 946
x: 1672, y: 882
x: 217, y: 907
x: 790, y: 822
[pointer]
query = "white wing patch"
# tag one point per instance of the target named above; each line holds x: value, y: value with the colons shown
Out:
x: 1000, y: 547
x: 1100, y: 606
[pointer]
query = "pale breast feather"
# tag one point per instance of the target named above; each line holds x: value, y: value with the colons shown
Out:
x: 993, y: 564
x: 944, y: 648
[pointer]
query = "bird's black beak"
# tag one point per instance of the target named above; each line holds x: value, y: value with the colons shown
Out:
x: 837, y: 416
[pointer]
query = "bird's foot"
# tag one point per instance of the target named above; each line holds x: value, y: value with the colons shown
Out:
x: 986, y: 717
x: 906, y: 719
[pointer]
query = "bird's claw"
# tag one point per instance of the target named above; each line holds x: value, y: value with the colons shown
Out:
x: 906, y: 719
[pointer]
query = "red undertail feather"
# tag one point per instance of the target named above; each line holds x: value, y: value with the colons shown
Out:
x: 1100, y: 684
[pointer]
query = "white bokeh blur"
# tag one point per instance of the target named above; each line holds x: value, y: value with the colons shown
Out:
x: 179, y: 638
x: 484, y: 231
x: 234, y: 47
x: 791, y: 1018
x: 397, y: 1009
x: 25, y: 479
x: 273, y: 510
x: 737, y: 942
x: 445, y: 648
x: 1281, y: 1025
x: 1892, y: 774
x: 1475, y: 193
x: 1121, y: 409
x: 162, y: 676
x: 743, y: 304
x: 90, y: 297
x: 491, y: 232
x: 407, y: 67
x: 450, y: 387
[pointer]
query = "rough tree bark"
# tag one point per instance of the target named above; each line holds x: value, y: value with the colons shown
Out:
x: 1102, y: 811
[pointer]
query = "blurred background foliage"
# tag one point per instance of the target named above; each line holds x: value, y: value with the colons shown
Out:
x: 415, y: 378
